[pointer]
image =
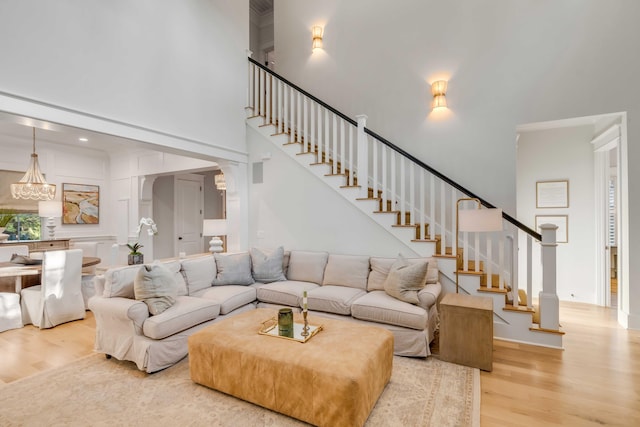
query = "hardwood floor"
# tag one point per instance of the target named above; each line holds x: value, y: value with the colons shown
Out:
x: 594, y: 381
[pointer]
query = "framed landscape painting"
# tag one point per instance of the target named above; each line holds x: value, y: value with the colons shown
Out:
x: 80, y: 204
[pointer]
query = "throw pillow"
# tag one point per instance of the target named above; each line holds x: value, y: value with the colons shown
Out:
x: 156, y: 286
x: 266, y: 266
x: 233, y: 269
x: 406, y: 279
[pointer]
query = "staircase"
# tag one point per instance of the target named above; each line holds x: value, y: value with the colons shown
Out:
x: 413, y: 203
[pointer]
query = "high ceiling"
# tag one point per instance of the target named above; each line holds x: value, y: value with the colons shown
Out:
x: 20, y: 128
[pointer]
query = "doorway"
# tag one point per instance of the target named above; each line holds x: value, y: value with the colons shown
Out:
x: 606, y: 147
x: 588, y: 153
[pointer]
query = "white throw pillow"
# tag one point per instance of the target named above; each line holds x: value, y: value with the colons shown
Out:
x: 406, y: 279
x: 233, y: 269
x: 266, y: 265
x: 156, y: 286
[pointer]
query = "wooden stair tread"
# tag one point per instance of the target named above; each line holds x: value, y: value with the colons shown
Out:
x: 349, y: 186
x: 471, y: 272
x: 492, y: 290
x: 391, y: 212
x: 518, y: 309
x: 279, y: 133
x: 425, y: 241
x: 537, y: 328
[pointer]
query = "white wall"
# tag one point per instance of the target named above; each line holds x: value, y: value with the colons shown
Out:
x: 295, y: 209
x: 554, y: 155
x: 170, y: 66
x: 507, y: 63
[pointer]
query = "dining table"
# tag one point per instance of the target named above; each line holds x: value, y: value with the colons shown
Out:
x: 18, y: 271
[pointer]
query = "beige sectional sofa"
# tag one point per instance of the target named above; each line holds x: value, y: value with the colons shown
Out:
x: 210, y: 288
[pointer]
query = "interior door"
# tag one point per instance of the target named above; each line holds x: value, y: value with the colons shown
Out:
x: 189, y: 200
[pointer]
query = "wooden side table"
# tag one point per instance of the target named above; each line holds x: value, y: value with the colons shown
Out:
x: 466, y: 330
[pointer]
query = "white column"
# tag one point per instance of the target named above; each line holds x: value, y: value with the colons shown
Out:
x: 549, y: 303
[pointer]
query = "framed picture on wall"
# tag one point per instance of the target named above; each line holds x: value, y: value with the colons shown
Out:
x: 552, y: 194
x: 562, y: 233
x: 80, y: 204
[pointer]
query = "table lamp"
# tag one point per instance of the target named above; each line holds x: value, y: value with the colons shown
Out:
x: 214, y: 228
x: 476, y: 220
x: 50, y: 209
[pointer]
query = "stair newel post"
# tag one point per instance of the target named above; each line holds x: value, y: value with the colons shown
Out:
x: 363, y: 156
x: 549, y: 303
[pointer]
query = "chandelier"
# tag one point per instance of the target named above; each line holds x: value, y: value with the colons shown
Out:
x: 33, y: 185
x: 220, y: 181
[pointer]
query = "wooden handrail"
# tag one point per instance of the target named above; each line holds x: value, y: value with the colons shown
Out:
x: 400, y: 151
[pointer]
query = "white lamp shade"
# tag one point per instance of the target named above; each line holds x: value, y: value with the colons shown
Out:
x: 214, y: 227
x: 479, y: 220
x: 50, y: 209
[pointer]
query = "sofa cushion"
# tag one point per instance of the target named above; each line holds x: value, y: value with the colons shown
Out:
x: 267, y: 265
x: 333, y: 299
x: 229, y: 297
x: 156, y: 286
x: 380, y: 270
x: 305, y: 266
x: 378, y: 306
x: 175, y: 267
x: 233, y: 269
x: 199, y: 272
x: 405, y: 280
x: 185, y: 313
x: 288, y: 292
x: 119, y: 281
x: 347, y: 270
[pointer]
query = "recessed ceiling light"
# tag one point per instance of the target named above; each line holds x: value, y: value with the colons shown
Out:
x: 83, y: 139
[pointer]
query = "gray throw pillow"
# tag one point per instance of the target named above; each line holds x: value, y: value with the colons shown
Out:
x: 406, y: 279
x: 266, y: 265
x: 156, y: 286
x: 233, y: 269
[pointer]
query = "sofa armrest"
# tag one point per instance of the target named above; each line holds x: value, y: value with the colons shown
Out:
x: 429, y: 295
x: 118, y: 312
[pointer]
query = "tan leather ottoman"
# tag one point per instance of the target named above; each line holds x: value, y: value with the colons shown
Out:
x: 334, y: 379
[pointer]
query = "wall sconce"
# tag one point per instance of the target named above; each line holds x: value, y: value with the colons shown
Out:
x: 439, y: 91
x: 316, y: 32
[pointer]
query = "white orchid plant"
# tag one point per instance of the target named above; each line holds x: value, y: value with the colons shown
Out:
x: 151, y: 231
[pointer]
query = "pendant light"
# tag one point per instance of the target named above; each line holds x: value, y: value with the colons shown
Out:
x: 33, y: 185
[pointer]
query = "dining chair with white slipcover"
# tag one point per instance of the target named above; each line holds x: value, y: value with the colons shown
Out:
x: 89, y: 249
x: 10, y: 312
x: 58, y: 298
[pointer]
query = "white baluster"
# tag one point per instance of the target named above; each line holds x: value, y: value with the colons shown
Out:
x: 299, y: 120
x: 385, y: 189
x: 443, y: 224
x: 351, y: 158
x: 320, y: 127
x: 267, y: 96
x: 393, y: 193
x: 342, y: 147
x: 327, y: 137
x: 412, y: 193
x: 304, y: 135
x: 403, y: 180
x: 422, y: 216
x: 376, y: 167
x: 489, y: 262
x: 312, y: 127
x: 501, y: 258
x: 529, y: 265
x: 262, y: 93
x: 334, y: 154
x: 432, y: 209
x: 476, y: 255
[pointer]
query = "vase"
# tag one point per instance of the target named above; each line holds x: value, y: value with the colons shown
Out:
x: 135, y: 259
x: 285, y: 322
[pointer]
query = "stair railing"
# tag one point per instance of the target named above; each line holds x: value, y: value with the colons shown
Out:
x: 420, y: 196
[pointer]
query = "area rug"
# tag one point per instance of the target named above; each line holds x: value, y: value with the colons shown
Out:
x: 94, y: 391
